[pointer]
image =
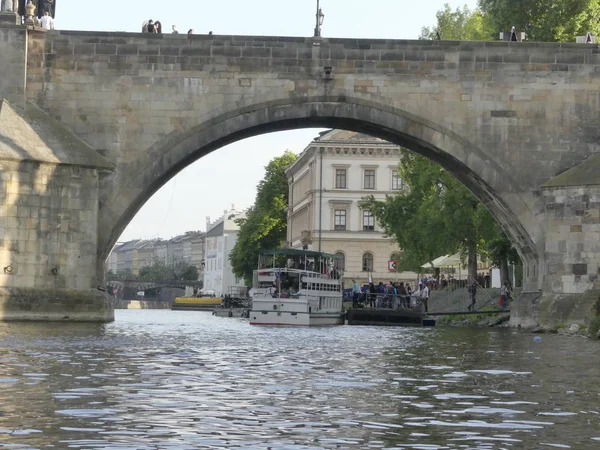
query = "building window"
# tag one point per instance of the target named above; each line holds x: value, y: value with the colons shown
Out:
x: 339, y: 219
x: 369, y: 179
x: 396, y: 181
x: 340, y: 178
x: 367, y: 262
x: 340, y: 261
x: 368, y: 221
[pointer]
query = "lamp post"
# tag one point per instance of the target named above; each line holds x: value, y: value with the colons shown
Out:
x: 319, y: 20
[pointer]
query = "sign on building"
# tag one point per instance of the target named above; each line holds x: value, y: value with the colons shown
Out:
x: 392, y: 265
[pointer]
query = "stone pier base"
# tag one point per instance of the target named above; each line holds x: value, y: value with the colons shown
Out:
x: 64, y: 305
x: 534, y: 309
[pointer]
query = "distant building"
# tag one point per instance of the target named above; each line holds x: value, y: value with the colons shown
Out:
x: 125, y: 257
x: 353, y: 166
x: 131, y: 256
x: 220, y: 238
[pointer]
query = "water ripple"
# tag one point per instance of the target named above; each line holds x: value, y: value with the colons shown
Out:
x: 168, y: 380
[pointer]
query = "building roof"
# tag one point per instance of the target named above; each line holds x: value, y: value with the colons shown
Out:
x: 339, y: 139
x: 586, y: 173
x: 127, y: 246
x: 217, y: 230
x: 189, y: 236
x: 345, y: 136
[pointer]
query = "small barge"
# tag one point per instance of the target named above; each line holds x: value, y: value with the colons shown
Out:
x: 196, y: 303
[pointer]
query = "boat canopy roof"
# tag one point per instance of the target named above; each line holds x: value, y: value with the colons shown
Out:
x: 296, y: 252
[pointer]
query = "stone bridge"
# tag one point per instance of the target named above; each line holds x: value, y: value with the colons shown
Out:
x: 95, y: 123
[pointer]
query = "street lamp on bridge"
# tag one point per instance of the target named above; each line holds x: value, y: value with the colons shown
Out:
x: 319, y: 22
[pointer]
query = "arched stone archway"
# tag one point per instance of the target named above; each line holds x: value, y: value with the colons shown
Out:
x: 494, y: 186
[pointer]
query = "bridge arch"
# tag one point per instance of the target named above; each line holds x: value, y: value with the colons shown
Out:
x: 123, y: 194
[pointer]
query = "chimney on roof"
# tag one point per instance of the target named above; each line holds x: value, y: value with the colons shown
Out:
x: 207, y: 223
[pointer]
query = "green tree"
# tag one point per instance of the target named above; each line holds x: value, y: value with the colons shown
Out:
x: 156, y: 272
x: 437, y: 215
x: 187, y: 272
x: 169, y: 272
x: 556, y: 21
x: 460, y: 24
x: 265, y: 225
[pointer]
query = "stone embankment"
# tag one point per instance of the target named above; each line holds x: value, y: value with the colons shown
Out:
x: 591, y: 331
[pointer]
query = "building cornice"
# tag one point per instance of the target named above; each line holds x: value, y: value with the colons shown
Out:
x: 340, y: 202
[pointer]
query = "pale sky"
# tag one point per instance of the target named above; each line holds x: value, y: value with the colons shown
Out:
x: 185, y: 201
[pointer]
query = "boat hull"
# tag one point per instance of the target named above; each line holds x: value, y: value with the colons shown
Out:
x: 284, y: 318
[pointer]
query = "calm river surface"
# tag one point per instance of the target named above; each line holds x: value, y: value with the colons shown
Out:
x: 187, y: 380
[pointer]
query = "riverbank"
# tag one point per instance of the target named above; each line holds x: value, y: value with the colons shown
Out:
x: 591, y: 331
x: 475, y: 320
x: 501, y: 319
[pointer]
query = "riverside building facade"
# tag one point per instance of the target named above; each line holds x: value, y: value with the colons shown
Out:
x: 327, y: 183
x: 220, y: 238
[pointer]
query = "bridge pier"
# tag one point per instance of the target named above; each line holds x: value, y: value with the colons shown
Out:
x: 569, y: 214
x: 49, y: 190
x: 48, y: 222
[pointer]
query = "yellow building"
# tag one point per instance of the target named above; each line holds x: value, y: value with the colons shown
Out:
x: 327, y: 183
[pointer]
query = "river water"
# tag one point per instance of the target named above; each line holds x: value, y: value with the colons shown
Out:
x: 187, y: 380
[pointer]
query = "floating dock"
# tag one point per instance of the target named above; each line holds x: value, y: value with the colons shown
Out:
x: 388, y: 318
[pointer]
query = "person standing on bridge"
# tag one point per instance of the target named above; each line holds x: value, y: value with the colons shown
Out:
x: 174, y: 28
x: 47, y: 22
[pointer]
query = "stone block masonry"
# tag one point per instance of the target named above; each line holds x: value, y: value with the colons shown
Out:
x: 48, y: 234
x: 502, y: 117
x: 13, y: 63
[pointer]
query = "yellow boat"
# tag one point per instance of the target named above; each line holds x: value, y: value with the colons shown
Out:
x: 196, y: 303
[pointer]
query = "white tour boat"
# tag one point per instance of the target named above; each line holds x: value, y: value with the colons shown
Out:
x: 297, y: 287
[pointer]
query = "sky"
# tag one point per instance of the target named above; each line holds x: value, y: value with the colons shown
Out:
x: 188, y: 198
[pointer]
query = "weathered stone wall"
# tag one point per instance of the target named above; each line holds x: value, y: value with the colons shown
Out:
x: 572, y: 222
x: 13, y: 64
x: 48, y: 225
x: 503, y: 117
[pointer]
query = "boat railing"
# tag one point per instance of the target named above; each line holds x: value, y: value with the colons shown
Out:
x: 266, y: 275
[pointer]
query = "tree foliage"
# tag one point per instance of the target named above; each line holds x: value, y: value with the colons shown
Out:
x: 544, y: 21
x: 265, y: 225
x: 180, y: 271
x: 435, y: 215
x: 460, y: 24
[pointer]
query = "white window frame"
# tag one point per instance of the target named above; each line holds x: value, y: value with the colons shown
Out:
x: 396, y: 180
x: 335, y: 181
x: 374, y: 179
x: 364, y: 266
x: 366, y: 214
x: 335, y: 217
